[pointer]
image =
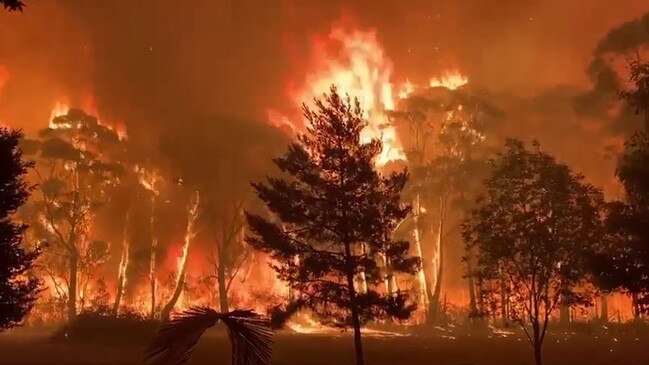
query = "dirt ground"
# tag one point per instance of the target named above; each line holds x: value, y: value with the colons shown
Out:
x: 294, y: 349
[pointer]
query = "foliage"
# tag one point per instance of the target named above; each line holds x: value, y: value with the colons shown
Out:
x: 250, y: 336
x: 18, y: 288
x: 627, y: 266
x: 533, y: 230
x: 638, y: 98
x: 13, y: 5
x: 445, y: 173
x: 333, y: 220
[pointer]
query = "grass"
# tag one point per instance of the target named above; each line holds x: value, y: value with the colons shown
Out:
x: 36, y: 348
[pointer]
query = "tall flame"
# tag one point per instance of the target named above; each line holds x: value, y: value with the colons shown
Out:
x: 362, y: 71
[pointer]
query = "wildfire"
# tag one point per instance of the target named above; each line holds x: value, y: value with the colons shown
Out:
x: 451, y: 80
x: 61, y: 109
x: 361, y: 70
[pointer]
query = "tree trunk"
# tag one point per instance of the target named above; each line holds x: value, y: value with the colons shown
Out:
x: 604, y: 302
x: 504, y: 301
x: 180, y: 283
x: 473, y: 308
x: 152, y: 259
x: 564, y: 314
x: 223, y: 291
x: 123, y: 266
x: 536, y: 342
x: 538, y: 360
x: 72, y: 287
x: 356, y: 323
x: 438, y: 259
x: 421, y: 275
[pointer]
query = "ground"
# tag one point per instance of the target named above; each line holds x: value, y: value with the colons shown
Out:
x: 302, y: 349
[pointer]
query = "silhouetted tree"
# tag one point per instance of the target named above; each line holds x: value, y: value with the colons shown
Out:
x: 533, y: 230
x: 336, y: 216
x: 626, y: 266
x: 18, y: 290
x: 638, y: 98
x: 13, y: 5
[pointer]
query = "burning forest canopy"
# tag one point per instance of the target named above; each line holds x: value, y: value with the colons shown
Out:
x: 183, y: 107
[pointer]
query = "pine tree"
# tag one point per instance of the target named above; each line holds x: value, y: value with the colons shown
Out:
x: 333, y: 220
x: 18, y: 290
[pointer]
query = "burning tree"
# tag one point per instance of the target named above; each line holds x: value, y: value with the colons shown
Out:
x: 224, y: 186
x: 336, y: 218
x: 19, y: 289
x: 533, y: 231
x: 74, y: 171
x: 445, y: 172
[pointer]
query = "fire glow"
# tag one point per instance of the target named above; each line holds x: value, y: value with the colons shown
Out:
x: 359, y: 68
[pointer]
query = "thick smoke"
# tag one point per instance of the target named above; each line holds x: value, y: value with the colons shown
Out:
x: 151, y: 63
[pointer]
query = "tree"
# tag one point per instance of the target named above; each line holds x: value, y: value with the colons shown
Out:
x: 532, y: 231
x: 224, y: 190
x: 13, y: 5
x: 626, y: 265
x: 333, y: 219
x: 444, y: 172
x: 18, y: 289
x: 74, y: 168
x: 638, y: 97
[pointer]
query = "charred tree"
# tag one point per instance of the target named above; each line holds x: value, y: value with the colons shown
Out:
x: 332, y: 203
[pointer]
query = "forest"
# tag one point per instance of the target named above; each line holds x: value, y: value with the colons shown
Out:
x: 368, y: 217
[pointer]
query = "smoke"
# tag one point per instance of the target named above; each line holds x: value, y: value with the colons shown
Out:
x: 152, y: 63
x: 628, y: 36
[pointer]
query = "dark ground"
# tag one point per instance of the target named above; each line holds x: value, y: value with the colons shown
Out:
x: 294, y: 349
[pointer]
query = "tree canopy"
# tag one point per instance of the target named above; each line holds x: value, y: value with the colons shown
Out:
x: 18, y: 288
x: 532, y: 232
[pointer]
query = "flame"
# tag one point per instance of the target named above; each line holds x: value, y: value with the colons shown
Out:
x: 451, y: 80
x: 406, y: 89
x: 360, y: 70
x: 148, y: 178
x: 62, y: 108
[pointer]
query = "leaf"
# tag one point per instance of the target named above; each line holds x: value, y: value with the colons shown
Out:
x: 56, y: 148
x: 250, y: 336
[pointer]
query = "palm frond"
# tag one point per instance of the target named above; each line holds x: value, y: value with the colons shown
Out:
x: 250, y: 336
x: 176, y: 339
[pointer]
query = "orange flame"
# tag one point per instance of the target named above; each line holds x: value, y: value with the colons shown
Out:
x: 451, y: 80
x: 62, y: 108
